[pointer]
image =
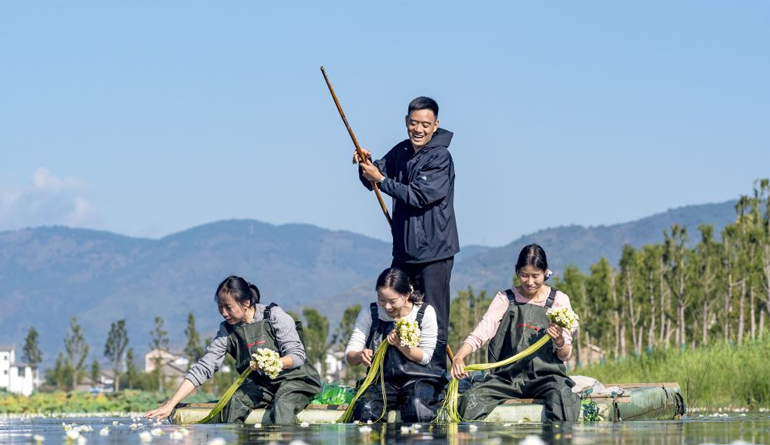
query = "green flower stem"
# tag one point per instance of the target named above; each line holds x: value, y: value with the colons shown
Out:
x: 448, y: 411
x: 374, y: 371
x: 226, y: 397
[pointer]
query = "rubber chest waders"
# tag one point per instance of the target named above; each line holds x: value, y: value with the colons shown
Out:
x: 284, y: 396
x: 541, y: 375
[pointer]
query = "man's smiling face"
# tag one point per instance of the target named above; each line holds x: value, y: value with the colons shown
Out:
x: 421, y: 125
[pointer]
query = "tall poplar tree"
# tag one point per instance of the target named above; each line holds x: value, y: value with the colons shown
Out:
x: 193, y: 349
x: 31, y: 353
x: 117, y: 340
x: 342, y: 336
x: 316, y: 337
x: 159, y: 343
x: 77, y: 350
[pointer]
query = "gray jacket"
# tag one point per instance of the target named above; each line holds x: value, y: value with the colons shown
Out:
x: 422, y: 188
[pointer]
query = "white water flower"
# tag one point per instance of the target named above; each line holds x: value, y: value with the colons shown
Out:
x: 257, y: 425
x: 38, y: 438
x: 82, y: 440
x: 73, y: 434
x: 157, y: 432
x: 304, y: 424
x: 532, y: 440
x: 473, y: 428
x: 564, y: 317
x: 365, y: 429
x: 104, y: 431
x: 409, y: 332
x: 145, y: 436
x: 115, y: 423
x: 269, y: 362
x: 176, y: 435
x: 217, y: 441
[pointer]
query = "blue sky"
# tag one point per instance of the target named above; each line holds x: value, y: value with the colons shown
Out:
x: 146, y: 118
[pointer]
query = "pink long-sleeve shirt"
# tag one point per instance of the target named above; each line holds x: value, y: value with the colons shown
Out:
x: 487, y: 327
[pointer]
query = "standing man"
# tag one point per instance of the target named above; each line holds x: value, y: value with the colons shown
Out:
x: 418, y: 173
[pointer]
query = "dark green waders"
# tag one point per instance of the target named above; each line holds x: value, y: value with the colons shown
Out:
x: 284, y: 396
x: 410, y: 387
x: 541, y: 375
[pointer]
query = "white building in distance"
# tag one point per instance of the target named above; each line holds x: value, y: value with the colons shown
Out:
x: 15, y: 377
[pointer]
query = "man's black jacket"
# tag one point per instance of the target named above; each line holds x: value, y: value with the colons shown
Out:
x: 422, y: 188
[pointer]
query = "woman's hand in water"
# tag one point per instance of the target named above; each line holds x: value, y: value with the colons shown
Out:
x: 556, y: 333
x: 160, y: 412
x: 366, y: 357
x: 458, y: 368
x: 394, y: 339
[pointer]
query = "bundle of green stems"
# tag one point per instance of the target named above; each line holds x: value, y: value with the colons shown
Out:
x: 226, y: 397
x: 374, y: 371
x: 448, y: 412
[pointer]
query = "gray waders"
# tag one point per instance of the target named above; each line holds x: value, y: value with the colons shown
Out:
x: 284, y: 396
x: 410, y: 387
x: 541, y: 375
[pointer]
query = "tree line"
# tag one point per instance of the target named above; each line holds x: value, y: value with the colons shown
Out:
x: 688, y: 291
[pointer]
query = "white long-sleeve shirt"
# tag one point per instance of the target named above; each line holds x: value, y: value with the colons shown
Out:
x: 428, y: 330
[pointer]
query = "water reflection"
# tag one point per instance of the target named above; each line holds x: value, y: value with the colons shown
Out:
x: 749, y: 428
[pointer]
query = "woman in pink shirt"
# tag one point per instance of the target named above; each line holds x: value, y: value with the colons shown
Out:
x: 514, y: 321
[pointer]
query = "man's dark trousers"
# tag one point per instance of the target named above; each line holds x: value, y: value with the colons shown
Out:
x: 432, y: 279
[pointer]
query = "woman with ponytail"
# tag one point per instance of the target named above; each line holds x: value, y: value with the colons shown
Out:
x: 412, y: 377
x: 247, y: 327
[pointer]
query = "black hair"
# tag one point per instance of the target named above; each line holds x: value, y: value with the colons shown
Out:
x: 532, y: 255
x: 423, y: 103
x: 239, y: 289
x: 396, y: 279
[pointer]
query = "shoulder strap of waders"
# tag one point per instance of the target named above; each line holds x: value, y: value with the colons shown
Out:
x: 267, y: 311
x: 551, y: 297
x: 496, y: 343
x: 297, y: 323
x: 375, y: 325
x: 421, y: 314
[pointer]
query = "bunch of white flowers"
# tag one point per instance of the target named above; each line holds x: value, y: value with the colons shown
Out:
x: 564, y: 317
x: 269, y: 361
x: 408, y: 332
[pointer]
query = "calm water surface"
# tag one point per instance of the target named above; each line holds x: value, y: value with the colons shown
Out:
x: 735, y: 428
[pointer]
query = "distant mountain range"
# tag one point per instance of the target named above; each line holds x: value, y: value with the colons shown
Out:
x: 50, y: 274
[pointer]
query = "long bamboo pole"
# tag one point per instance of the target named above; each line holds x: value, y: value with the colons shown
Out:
x: 358, y: 147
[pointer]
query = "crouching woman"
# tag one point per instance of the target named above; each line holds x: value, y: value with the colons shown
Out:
x: 515, y: 320
x: 412, y: 379
x: 247, y: 327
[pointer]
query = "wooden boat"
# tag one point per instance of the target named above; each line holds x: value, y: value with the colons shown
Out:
x: 640, y: 401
